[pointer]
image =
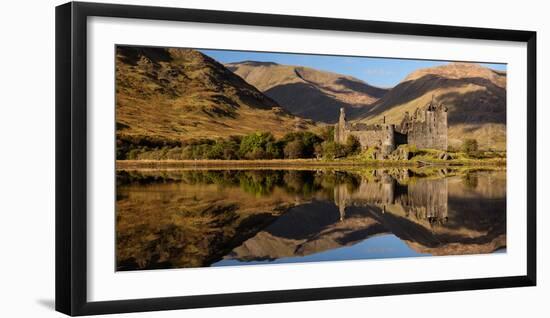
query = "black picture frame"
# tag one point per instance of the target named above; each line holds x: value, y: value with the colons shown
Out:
x: 71, y: 157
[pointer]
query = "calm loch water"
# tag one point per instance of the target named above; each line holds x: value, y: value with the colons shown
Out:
x: 200, y: 218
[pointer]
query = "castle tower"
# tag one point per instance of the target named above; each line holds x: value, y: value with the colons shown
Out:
x: 388, y: 142
x: 388, y: 189
x: 442, y: 127
x: 341, y: 196
x: 428, y: 127
x: 340, y: 129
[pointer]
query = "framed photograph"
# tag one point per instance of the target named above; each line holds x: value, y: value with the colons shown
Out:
x: 209, y: 158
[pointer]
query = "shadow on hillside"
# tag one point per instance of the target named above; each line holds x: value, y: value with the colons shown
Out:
x: 465, y: 107
x: 373, y: 91
x: 306, y: 101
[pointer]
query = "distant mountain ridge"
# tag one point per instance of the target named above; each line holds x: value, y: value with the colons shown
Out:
x: 307, y: 92
x: 460, y: 70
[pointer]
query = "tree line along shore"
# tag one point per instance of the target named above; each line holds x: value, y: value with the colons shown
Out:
x: 294, y: 164
x: 294, y: 148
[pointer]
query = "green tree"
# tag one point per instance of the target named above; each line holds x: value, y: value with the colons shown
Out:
x: 255, y: 154
x: 327, y: 133
x: 470, y: 146
x: 294, y: 149
x: 352, y: 146
x: 318, y: 151
x: 273, y: 150
x: 231, y: 150
x: 307, y: 139
x: 333, y: 150
x: 253, y: 145
x: 133, y: 154
x: 215, y: 151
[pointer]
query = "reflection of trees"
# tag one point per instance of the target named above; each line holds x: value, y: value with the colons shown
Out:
x: 470, y: 180
x: 258, y: 182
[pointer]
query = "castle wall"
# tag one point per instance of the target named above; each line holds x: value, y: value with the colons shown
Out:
x: 381, y: 137
x: 431, y: 132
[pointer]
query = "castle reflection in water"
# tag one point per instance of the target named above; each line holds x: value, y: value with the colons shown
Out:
x: 423, y: 199
x: 197, y: 218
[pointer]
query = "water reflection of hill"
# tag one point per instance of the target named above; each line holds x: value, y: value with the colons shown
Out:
x: 197, y: 218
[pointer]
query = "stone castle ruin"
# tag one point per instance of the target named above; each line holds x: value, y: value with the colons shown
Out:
x: 426, y: 128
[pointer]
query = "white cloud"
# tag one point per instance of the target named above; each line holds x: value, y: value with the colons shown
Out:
x: 379, y: 72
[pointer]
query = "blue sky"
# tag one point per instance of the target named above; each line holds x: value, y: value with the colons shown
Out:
x: 382, y: 72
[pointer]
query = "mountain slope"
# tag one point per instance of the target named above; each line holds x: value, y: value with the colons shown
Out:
x: 307, y: 92
x: 179, y: 94
x: 474, y: 95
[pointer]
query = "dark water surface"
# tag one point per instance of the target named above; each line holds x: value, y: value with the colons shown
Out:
x: 200, y: 218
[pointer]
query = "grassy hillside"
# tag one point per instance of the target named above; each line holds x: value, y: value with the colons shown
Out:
x: 307, y: 92
x: 165, y: 96
x: 474, y: 95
